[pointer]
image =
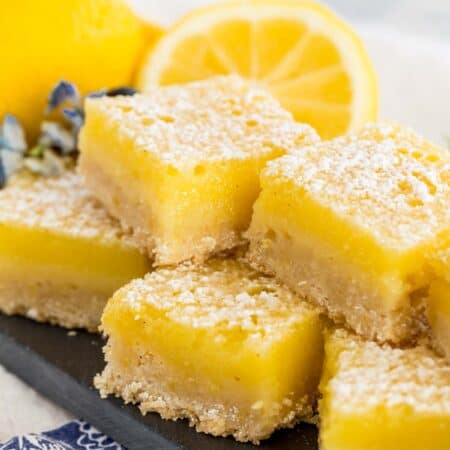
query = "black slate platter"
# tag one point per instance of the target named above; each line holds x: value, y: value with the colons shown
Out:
x: 62, y: 367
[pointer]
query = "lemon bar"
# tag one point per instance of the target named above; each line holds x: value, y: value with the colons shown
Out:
x: 221, y: 345
x: 180, y: 165
x: 438, y: 305
x: 376, y: 397
x: 61, y: 254
x: 351, y: 223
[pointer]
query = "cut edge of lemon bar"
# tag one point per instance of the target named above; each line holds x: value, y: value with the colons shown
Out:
x: 438, y: 305
x: 375, y: 397
x: 61, y: 254
x: 350, y: 224
x: 180, y: 165
x: 227, y: 348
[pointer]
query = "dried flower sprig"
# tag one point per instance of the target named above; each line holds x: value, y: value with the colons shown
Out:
x: 63, y: 92
x: 13, y: 146
x: 56, y: 147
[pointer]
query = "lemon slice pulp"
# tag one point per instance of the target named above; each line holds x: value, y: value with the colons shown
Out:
x: 307, y: 57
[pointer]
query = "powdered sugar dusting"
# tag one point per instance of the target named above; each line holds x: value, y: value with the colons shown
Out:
x: 369, y: 375
x: 60, y: 205
x: 225, y: 294
x: 222, y: 118
x: 388, y: 180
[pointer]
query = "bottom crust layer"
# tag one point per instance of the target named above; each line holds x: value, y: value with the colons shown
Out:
x: 142, y: 378
x: 316, y: 273
x: 65, y: 305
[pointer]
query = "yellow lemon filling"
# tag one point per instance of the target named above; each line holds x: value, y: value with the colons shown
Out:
x: 72, y: 252
x: 376, y: 397
x: 228, y: 348
x: 350, y: 222
x: 181, y: 164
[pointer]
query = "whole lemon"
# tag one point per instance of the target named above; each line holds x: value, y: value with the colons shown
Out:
x: 92, y: 43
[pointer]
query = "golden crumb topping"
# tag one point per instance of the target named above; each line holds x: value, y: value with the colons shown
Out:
x: 224, y: 294
x: 388, y: 180
x: 60, y: 205
x: 369, y: 375
x: 218, y: 119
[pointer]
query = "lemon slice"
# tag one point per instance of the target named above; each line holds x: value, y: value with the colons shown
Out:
x: 307, y: 57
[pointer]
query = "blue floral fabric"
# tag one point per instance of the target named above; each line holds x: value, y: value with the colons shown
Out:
x: 76, y: 435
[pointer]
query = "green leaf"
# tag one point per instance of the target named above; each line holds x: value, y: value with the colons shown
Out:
x: 37, y: 151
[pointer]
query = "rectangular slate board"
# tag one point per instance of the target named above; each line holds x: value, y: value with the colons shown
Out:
x: 62, y: 367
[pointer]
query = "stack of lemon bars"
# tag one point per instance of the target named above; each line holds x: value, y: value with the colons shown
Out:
x: 272, y: 277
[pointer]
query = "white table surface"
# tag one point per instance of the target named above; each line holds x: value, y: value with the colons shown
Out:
x: 411, y: 53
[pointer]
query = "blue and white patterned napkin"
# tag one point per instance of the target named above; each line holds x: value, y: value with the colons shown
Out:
x: 76, y: 435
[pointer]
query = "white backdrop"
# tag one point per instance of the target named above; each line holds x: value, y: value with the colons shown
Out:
x: 417, y: 16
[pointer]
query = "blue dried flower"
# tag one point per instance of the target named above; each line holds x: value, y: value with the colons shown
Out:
x: 63, y: 92
x: 50, y: 164
x: 75, y: 116
x: 48, y: 156
x: 12, y: 148
x: 54, y: 135
x: 3, y: 178
x: 12, y: 135
x: 12, y: 161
